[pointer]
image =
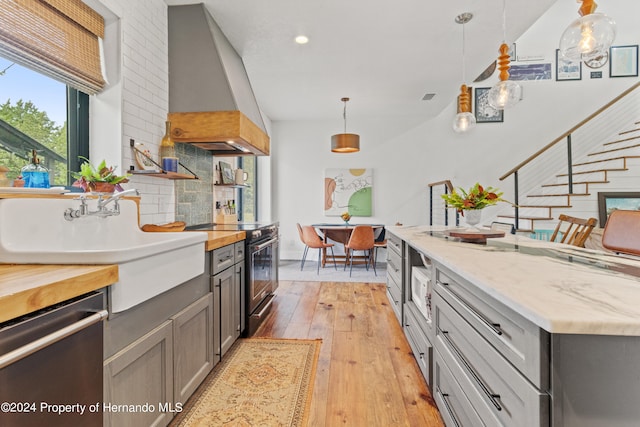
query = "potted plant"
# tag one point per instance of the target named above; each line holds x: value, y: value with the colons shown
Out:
x: 99, y: 179
x: 473, y: 201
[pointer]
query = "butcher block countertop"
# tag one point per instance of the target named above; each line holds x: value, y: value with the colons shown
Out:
x: 218, y: 239
x: 25, y: 288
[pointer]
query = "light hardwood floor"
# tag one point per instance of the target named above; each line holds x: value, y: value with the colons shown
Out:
x: 366, y: 374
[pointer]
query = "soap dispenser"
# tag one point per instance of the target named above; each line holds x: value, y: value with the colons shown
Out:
x: 34, y: 174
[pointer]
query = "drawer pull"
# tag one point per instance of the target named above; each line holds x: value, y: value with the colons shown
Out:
x: 495, y: 327
x: 396, y: 269
x: 448, y: 408
x: 492, y: 396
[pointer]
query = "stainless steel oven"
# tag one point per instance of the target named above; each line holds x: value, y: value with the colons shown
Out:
x: 262, y: 274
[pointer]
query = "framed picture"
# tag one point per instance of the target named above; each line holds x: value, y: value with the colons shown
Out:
x: 609, y: 202
x: 484, y: 112
x: 226, y: 173
x: 623, y: 61
x: 567, y: 69
x: 530, y: 72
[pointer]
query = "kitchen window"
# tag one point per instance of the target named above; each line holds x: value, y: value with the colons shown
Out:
x: 38, y: 112
x: 248, y: 207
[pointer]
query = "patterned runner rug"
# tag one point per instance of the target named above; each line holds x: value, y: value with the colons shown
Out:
x: 260, y: 382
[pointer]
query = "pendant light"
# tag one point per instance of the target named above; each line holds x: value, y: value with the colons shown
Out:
x: 506, y: 93
x: 464, y: 120
x: 345, y: 142
x: 589, y: 36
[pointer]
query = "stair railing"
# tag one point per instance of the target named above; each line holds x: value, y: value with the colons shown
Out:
x: 447, y: 188
x: 566, y: 137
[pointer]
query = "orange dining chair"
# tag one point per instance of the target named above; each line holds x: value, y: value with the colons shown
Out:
x: 361, y: 239
x: 622, y: 232
x: 311, y: 239
x: 573, y: 236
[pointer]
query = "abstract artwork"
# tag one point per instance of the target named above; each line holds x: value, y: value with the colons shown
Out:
x: 348, y: 190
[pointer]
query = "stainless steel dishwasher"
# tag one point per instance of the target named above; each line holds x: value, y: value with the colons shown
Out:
x: 51, y: 365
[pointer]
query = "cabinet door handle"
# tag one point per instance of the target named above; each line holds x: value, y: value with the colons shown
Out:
x: 495, y: 327
x: 448, y: 407
x: 491, y: 396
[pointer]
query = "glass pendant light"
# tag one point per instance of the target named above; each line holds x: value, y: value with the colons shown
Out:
x: 464, y: 120
x: 505, y: 93
x: 345, y: 142
x: 589, y: 36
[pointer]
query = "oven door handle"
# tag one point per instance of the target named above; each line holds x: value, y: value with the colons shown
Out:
x: 30, y: 348
x: 265, y: 244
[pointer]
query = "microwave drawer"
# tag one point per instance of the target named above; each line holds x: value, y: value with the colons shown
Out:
x: 521, y: 342
x: 499, y: 393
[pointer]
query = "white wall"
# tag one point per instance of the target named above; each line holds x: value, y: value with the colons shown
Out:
x: 406, y: 157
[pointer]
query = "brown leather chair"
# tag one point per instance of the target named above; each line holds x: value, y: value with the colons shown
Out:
x: 622, y: 232
x: 311, y: 239
x: 361, y: 239
x: 570, y: 235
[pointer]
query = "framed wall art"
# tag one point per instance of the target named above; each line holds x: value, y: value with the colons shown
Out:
x: 226, y: 173
x: 567, y: 69
x: 611, y: 201
x: 623, y: 61
x: 348, y: 190
x: 484, y: 112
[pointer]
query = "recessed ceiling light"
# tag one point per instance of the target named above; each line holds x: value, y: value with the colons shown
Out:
x: 302, y: 39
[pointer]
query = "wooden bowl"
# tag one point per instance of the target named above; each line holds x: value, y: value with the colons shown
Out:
x: 172, y: 226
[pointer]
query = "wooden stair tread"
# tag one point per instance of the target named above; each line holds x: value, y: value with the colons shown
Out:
x: 575, y: 183
x: 624, y: 139
x: 606, y: 160
x: 613, y: 150
x: 543, y: 218
x: 558, y: 195
x: 545, y: 206
x: 594, y: 171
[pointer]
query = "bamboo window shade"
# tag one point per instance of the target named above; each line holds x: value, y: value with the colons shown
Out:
x: 58, y: 38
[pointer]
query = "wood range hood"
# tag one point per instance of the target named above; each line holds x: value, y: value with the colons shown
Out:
x: 211, y: 102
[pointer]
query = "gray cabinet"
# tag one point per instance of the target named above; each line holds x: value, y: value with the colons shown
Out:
x: 192, y: 347
x: 395, y: 274
x: 139, y: 374
x: 492, y: 365
x: 227, y: 284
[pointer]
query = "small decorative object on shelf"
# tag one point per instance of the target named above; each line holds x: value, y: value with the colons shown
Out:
x: 168, y: 151
x: 99, y: 179
x: 143, y: 157
x: 346, y: 216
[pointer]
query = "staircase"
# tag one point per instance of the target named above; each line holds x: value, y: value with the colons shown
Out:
x: 612, y: 166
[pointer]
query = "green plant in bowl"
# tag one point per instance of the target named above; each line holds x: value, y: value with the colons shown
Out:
x: 477, y: 197
x: 99, y: 178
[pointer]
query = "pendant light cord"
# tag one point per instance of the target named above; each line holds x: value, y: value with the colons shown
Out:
x: 504, y: 21
x: 344, y: 116
x: 463, y: 53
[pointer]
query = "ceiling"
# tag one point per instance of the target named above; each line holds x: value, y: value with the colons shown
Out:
x: 384, y: 55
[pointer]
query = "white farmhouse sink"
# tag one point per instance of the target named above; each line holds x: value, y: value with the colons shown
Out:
x: 34, y: 231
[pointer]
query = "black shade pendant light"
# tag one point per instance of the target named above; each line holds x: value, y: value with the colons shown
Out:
x: 345, y: 142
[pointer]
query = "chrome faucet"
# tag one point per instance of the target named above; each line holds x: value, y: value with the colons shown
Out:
x: 70, y: 214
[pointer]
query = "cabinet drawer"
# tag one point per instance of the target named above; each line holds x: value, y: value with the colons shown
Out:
x: 420, y: 345
x: 239, y: 251
x: 395, y: 244
x: 521, y: 342
x: 395, y: 297
x: 498, y: 392
x: 222, y: 258
x: 455, y: 408
x: 394, y: 269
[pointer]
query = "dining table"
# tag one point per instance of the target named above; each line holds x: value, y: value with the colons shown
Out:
x: 341, y: 233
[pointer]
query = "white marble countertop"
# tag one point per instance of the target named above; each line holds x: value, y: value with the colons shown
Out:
x: 560, y: 288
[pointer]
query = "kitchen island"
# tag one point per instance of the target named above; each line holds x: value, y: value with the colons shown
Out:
x: 527, y: 332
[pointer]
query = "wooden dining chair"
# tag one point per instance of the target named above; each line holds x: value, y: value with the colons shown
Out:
x: 311, y: 239
x: 361, y: 239
x: 571, y: 235
x: 622, y: 232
